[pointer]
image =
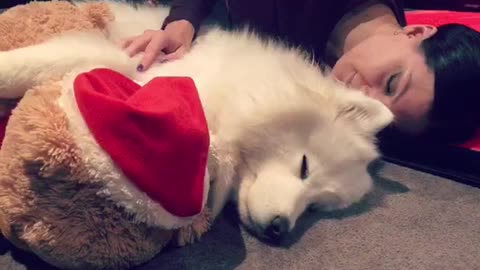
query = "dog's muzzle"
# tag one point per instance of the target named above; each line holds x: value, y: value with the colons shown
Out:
x: 277, y: 229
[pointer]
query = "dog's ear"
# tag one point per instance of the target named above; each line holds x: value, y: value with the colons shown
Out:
x: 370, y: 115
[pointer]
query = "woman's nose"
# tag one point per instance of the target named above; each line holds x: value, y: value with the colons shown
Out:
x: 359, y: 83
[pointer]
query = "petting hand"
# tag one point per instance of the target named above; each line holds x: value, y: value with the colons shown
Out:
x: 163, y: 45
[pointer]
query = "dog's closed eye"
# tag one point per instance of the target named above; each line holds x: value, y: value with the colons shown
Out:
x: 304, y: 172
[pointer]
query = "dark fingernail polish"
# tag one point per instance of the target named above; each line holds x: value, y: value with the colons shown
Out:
x: 140, y: 68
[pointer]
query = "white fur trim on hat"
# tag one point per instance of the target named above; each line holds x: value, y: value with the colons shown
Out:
x: 102, y: 169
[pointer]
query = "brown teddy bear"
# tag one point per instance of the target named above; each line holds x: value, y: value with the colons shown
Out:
x: 90, y: 198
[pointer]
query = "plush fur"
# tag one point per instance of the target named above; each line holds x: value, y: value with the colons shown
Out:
x: 284, y: 137
x: 46, y: 21
x: 57, y: 188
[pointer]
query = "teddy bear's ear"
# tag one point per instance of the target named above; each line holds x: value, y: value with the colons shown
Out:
x: 99, y: 14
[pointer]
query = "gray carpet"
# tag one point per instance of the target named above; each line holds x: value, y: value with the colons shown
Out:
x: 411, y: 221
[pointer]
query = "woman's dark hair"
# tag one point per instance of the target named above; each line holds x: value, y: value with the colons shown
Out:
x: 453, y: 54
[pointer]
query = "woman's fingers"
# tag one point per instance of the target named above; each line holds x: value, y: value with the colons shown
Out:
x: 138, y: 44
x: 157, y: 45
x: 153, y: 50
x: 126, y: 42
x: 174, y: 55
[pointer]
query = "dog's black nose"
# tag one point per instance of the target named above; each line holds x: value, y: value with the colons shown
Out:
x: 277, y: 228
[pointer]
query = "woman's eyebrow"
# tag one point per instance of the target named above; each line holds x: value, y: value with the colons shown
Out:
x: 403, y: 85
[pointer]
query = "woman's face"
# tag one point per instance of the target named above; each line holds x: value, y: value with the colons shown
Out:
x: 392, y: 69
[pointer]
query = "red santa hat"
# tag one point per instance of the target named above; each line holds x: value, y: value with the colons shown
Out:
x: 156, y: 134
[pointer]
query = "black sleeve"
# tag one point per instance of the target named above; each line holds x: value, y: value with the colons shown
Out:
x: 194, y: 11
x: 398, y: 8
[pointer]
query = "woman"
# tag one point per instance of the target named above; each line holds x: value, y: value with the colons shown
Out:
x: 411, y: 69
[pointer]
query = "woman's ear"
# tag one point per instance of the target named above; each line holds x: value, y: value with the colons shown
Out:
x: 419, y: 31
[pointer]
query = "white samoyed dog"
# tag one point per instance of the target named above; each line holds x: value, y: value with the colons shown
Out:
x: 284, y: 136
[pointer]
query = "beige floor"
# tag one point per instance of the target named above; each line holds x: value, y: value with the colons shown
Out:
x: 411, y: 221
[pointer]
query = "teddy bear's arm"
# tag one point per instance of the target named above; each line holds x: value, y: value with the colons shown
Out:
x: 193, y: 232
x: 23, y: 68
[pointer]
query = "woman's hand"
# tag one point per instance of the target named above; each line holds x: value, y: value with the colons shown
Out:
x: 163, y: 45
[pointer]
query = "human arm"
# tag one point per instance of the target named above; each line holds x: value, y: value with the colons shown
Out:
x: 175, y: 37
x: 193, y: 11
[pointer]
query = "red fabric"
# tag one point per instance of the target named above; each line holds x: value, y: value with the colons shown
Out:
x: 441, y: 17
x: 156, y: 134
x: 473, y: 144
x: 3, y: 126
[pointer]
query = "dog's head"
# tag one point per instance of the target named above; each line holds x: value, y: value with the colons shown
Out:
x: 308, y: 150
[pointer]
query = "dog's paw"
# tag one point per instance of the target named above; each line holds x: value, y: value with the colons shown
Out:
x: 192, y: 233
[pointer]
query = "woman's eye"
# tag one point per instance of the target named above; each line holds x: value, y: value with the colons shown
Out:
x: 390, y: 88
x: 304, y: 168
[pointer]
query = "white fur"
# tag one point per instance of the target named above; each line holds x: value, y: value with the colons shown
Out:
x: 266, y: 105
x: 23, y: 68
x: 101, y: 168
